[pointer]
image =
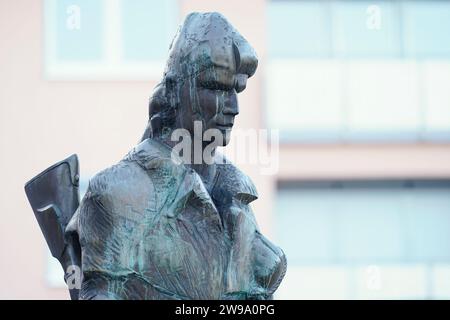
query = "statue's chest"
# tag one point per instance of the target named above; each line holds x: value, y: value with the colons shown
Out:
x: 195, y: 252
x: 182, y: 247
x: 190, y: 244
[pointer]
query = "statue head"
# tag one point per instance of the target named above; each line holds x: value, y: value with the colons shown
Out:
x: 209, y: 64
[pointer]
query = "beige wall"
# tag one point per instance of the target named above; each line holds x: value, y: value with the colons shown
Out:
x: 376, y: 161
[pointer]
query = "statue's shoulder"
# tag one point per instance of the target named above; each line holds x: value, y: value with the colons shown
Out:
x: 139, y: 168
x: 134, y: 182
x: 232, y: 183
x: 113, y: 179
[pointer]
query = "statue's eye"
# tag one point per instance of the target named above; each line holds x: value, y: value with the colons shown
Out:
x: 213, y: 85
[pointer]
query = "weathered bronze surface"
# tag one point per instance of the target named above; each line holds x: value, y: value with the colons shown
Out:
x: 155, y: 226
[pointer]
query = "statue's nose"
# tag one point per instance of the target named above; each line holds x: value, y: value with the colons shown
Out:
x: 231, y: 106
x: 241, y: 82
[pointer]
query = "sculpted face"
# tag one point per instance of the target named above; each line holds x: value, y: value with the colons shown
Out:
x: 209, y: 64
x: 211, y: 98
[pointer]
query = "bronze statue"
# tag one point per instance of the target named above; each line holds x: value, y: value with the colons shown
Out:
x: 157, y: 225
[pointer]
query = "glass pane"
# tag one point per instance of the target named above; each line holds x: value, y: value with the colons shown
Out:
x: 441, y: 281
x: 437, y: 99
x: 366, y: 29
x: 305, y: 227
x: 298, y: 29
x: 304, y: 99
x: 383, y: 100
x: 364, y: 225
x: 147, y: 28
x: 78, y: 29
x: 426, y: 27
x: 368, y: 224
x: 315, y: 282
x: 427, y: 221
x: 392, y: 282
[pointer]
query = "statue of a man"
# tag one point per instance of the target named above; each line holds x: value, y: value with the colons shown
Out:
x: 158, y: 226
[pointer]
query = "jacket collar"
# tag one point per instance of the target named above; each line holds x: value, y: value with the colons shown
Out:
x: 156, y: 157
x: 230, y: 183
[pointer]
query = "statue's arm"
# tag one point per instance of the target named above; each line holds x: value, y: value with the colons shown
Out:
x: 94, y: 226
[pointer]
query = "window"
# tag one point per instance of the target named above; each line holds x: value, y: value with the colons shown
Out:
x: 305, y: 100
x: 369, y: 239
x: 359, y: 29
x: 299, y: 29
x: 147, y: 29
x: 366, y: 29
x: 426, y: 26
x: 107, y: 39
x: 436, y: 77
x: 78, y: 30
x: 382, y: 101
x: 359, y: 71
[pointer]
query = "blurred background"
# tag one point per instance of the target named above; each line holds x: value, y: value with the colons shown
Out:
x: 359, y: 91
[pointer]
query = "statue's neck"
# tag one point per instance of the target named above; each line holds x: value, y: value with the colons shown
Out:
x: 206, y: 170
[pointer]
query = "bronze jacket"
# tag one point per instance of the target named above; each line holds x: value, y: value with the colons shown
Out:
x: 149, y: 229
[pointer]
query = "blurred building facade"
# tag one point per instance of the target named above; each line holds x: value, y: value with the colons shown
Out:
x: 359, y: 91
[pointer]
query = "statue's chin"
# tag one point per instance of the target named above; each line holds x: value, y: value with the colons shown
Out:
x: 224, y: 137
x: 226, y: 140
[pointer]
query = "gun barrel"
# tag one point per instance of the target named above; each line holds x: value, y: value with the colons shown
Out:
x: 54, y: 197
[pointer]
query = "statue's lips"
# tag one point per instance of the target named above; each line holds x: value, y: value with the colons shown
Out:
x: 224, y: 126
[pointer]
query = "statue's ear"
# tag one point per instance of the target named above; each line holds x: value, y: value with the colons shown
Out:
x: 156, y: 104
x: 157, y: 100
x: 170, y: 83
x: 170, y: 89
